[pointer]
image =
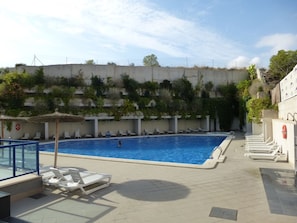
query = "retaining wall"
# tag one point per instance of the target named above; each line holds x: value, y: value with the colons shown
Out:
x: 141, y: 73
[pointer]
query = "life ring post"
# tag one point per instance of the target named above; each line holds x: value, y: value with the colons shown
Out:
x: 18, y: 126
x: 284, y: 131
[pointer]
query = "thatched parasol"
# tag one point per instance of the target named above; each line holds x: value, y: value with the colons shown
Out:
x: 6, y: 118
x: 56, y: 117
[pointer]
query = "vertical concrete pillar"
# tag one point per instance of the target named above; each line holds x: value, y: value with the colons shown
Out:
x: 138, y: 126
x: 175, y: 124
x: 46, y: 134
x: 207, y: 127
x: 96, y: 129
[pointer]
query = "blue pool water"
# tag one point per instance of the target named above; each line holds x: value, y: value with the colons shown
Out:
x: 177, y: 149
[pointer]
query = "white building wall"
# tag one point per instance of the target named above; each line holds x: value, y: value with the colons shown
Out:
x: 288, y: 144
x: 288, y: 85
x: 287, y: 116
x: 288, y: 109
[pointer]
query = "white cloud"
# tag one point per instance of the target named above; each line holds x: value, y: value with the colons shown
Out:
x: 255, y: 60
x: 278, y: 42
x: 83, y: 27
x: 239, y: 62
x: 242, y: 61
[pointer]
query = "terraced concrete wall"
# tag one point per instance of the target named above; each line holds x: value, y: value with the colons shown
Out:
x: 142, y: 73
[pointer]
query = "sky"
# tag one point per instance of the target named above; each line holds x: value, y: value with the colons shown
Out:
x: 213, y: 33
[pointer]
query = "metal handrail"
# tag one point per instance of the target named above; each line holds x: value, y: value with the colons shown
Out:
x: 217, y: 147
x: 293, y: 116
x: 15, y: 148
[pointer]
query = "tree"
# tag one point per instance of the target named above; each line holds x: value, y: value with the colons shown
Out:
x: 90, y: 62
x: 282, y: 63
x: 165, y: 84
x: 38, y: 77
x: 228, y: 106
x: 255, y: 107
x: 131, y: 87
x: 12, y: 89
x: 98, y: 84
x: 243, y: 97
x: 183, y: 89
x: 252, y: 71
x: 205, y: 90
x: 150, y: 88
x: 151, y: 60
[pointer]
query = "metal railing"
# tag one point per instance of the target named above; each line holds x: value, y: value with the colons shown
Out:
x: 214, y: 149
x: 18, y: 157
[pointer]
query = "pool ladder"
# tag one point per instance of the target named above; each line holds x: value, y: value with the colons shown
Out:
x: 217, y: 147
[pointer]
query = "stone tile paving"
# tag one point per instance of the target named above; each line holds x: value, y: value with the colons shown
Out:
x: 280, y: 190
x: 150, y: 193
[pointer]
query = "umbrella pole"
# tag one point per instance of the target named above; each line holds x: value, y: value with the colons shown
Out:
x: 2, y: 136
x: 56, y: 142
x: 2, y: 130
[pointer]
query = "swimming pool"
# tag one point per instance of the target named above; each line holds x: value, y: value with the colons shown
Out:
x: 185, y: 149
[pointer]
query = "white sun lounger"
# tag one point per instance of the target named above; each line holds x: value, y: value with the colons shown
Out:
x: 202, y: 130
x: 58, y: 177
x: 157, y: 131
x: 264, y: 149
x: 110, y: 134
x: 37, y: 136
x: 86, y: 183
x: 254, y: 136
x: 253, y: 145
x: 50, y: 175
x: 26, y: 136
x: 121, y: 133
x: 260, y: 140
x: 146, y: 132
x: 275, y: 155
x: 77, y: 134
x: 66, y: 135
x: 131, y: 133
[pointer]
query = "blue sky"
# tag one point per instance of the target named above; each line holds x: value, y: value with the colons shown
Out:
x: 219, y: 33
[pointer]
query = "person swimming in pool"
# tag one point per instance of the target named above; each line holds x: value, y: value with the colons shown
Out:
x: 119, y: 143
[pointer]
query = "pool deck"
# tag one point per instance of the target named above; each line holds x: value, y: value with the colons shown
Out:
x: 238, y: 190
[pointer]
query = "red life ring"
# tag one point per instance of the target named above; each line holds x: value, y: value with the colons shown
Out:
x: 284, y: 131
x: 17, y: 126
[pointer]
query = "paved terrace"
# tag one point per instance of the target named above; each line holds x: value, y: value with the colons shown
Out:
x: 232, y: 192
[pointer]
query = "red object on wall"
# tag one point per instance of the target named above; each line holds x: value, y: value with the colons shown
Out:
x: 17, y: 126
x: 284, y: 131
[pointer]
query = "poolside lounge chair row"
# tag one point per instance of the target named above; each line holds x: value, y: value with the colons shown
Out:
x: 156, y: 131
x: 66, y: 135
x: 275, y: 155
x: 77, y: 135
x: 118, y: 133
x: 256, y: 138
x: 261, y: 146
x: 258, y: 148
x: 26, y: 136
x: 70, y: 179
x: 108, y: 133
x: 188, y: 130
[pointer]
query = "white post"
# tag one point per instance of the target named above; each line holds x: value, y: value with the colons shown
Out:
x: 207, y: 123
x: 138, y: 130
x: 96, y: 129
x: 175, y: 124
x: 46, y: 137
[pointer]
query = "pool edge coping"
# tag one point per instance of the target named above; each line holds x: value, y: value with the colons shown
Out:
x: 217, y: 156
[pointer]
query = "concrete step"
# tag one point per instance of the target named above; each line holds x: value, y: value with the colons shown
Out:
x: 22, y: 186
